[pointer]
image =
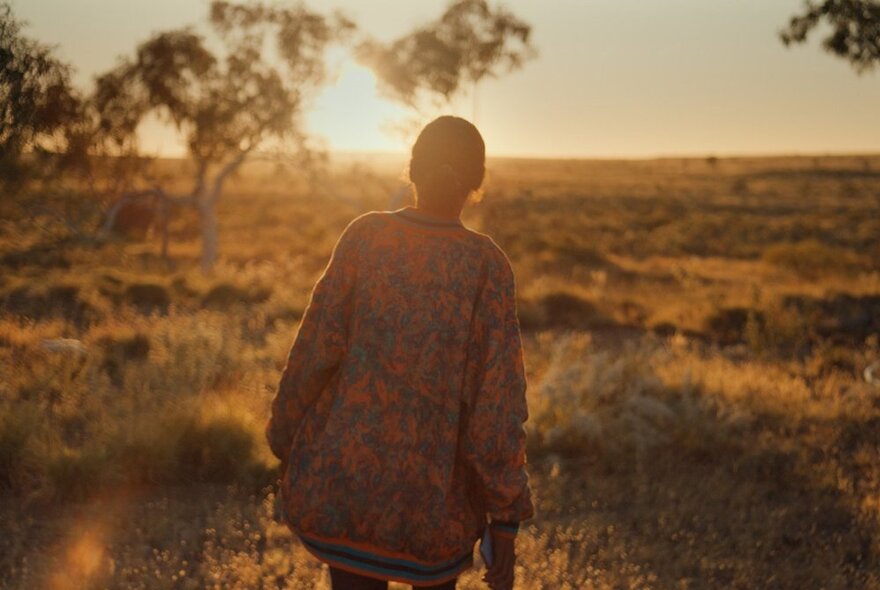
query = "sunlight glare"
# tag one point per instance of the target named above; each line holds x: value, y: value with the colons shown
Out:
x: 351, y: 115
x: 85, y: 561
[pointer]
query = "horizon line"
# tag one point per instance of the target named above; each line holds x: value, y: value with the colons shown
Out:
x: 733, y: 155
x: 607, y: 158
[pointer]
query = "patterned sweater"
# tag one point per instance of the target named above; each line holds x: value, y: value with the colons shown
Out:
x: 399, y: 416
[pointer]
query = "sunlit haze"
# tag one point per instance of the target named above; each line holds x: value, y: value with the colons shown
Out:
x: 614, y: 78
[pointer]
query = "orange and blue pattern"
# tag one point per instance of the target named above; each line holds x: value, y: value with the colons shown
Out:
x: 399, y: 416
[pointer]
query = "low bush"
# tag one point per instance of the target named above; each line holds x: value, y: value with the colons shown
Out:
x: 40, y: 301
x: 226, y: 295
x: 614, y: 405
x: 811, y: 259
x: 728, y: 324
x: 561, y: 309
x: 176, y: 444
x: 774, y: 328
x: 147, y: 296
x: 145, y: 400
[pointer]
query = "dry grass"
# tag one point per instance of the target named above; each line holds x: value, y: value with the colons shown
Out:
x: 696, y: 334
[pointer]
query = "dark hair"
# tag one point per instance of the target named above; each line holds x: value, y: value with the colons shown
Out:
x: 448, y: 160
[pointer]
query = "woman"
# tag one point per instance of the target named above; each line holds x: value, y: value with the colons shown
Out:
x: 399, y: 417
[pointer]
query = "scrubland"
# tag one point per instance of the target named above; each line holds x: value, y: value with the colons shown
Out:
x: 701, y: 346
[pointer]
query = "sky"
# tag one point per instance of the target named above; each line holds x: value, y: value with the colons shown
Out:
x: 613, y: 78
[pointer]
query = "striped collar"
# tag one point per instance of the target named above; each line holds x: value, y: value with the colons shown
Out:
x: 412, y: 214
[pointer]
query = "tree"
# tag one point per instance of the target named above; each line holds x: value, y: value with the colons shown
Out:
x: 227, y: 104
x: 855, y: 29
x: 37, y: 106
x: 469, y: 42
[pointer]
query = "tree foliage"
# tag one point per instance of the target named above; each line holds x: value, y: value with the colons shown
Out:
x: 854, y: 29
x: 228, y: 102
x: 469, y: 42
x: 225, y: 103
x: 37, y: 105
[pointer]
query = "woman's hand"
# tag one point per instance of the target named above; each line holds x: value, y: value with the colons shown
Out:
x: 500, y: 575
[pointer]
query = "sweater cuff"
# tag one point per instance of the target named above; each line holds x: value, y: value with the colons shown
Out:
x: 504, y: 528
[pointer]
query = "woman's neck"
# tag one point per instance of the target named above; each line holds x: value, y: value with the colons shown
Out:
x: 446, y: 213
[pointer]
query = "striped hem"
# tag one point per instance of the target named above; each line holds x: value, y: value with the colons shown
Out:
x: 375, y: 565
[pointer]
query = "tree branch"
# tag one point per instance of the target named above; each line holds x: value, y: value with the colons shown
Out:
x: 228, y: 169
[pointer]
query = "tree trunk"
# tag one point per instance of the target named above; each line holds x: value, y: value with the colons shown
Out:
x: 208, y: 219
x: 164, y: 214
x: 207, y: 204
x: 476, y: 98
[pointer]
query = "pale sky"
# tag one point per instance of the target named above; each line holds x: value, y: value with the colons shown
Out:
x: 614, y: 78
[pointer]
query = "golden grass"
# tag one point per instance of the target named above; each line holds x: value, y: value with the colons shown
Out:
x: 695, y: 331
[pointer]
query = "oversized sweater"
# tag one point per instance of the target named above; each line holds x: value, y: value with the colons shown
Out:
x: 399, y: 415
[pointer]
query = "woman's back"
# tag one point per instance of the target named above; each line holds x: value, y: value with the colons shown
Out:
x: 399, y: 417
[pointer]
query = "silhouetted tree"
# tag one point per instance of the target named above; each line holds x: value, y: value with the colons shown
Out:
x: 37, y: 106
x: 854, y: 34
x: 227, y: 103
x: 469, y: 42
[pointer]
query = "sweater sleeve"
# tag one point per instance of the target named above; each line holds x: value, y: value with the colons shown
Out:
x: 496, y: 410
x: 318, y: 347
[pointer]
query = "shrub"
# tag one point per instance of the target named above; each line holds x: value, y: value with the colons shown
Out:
x: 120, y: 349
x: 20, y: 455
x: 216, y: 450
x: 173, y: 444
x: 127, y: 347
x: 561, y: 309
x: 728, y: 325
x: 148, y: 296
x: 226, y: 295
x: 41, y: 256
x: 778, y: 329
x: 192, y: 353
x: 572, y: 252
x: 139, y: 406
x: 77, y: 473
x: 812, y: 259
x: 567, y: 310
x: 41, y: 301
x: 827, y: 359
x: 181, y: 287
x: 187, y: 443
x: 774, y: 327
x: 610, y: 403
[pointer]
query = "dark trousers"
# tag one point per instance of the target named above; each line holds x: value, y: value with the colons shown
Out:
x: 343, y: 580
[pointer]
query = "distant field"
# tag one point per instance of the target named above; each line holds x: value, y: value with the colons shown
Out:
x: 700, y: 336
